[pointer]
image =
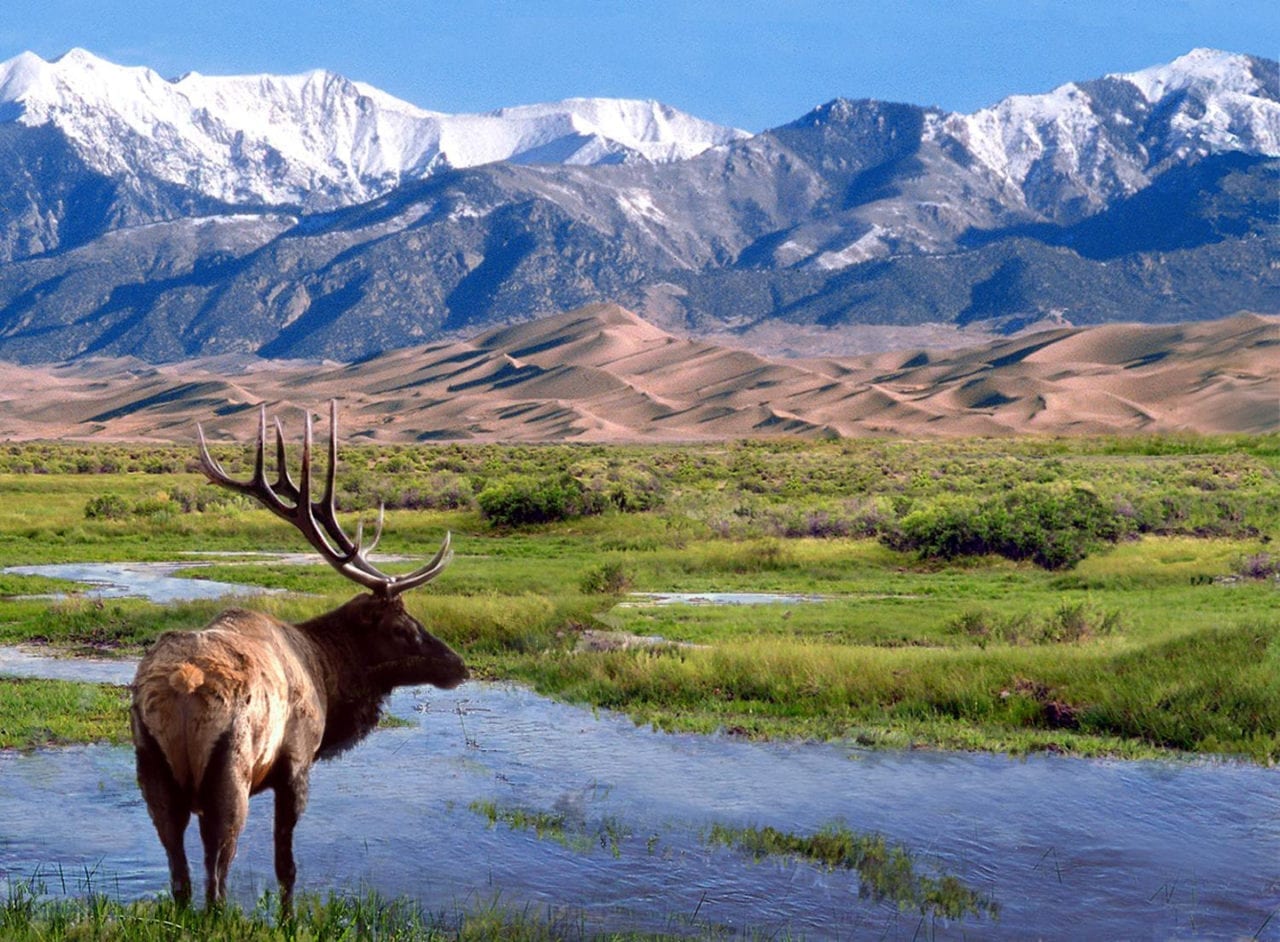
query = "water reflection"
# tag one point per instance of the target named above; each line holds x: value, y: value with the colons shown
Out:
x: 638, y: 599
x: 1069, y: 848
x: 155, y: 582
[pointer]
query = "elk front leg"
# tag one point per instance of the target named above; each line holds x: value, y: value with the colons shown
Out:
x: 291, y: 799
x: 169, y: 807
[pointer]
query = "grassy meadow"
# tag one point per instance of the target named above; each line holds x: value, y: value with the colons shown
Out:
x: 1100, y: 597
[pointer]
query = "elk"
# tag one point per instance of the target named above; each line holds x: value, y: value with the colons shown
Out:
x: 250, y: 702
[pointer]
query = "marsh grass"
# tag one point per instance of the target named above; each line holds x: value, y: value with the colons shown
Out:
x: 1069, y: 622
x: 885, y: 871
x: 29, y: 914
x: 565, y: 828
x: 1143, y: 646
x: 54, y: 712
x: 1216, y: 691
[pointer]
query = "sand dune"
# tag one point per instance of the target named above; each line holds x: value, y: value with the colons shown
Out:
x: 602, y: 374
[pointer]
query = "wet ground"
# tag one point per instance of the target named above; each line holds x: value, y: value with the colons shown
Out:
x: 1068, y: 848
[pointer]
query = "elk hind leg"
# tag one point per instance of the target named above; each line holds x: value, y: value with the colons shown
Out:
x: 169, y: 806
x: 224, y: 804
x: 291, y: 798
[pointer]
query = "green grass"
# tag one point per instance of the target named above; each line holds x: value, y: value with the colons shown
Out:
x: 28, y: 915
x: 885, y: 871
x: 55, y: 712
x: 569, y: 831
x: 1149, y: 646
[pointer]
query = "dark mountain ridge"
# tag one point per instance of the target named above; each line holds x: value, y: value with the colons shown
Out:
x: 1123, y: 198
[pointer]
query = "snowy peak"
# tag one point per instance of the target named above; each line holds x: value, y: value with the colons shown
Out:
x: 1203, y: 69
x: 316, y: 139
x: 1072, y: 150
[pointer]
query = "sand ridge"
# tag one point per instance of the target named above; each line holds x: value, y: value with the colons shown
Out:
x: 602, y: 374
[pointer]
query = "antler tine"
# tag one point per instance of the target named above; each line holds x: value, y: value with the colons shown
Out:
x: 318, y: 520
x: 327, y: 506
x: 260, y: 461
x: 321, y: 537
x: 257, y: 485
x: 208, y: 464
x: 398, y: 584
x: 360, y: 547
x: 333, y: 453
x: 284, y: 481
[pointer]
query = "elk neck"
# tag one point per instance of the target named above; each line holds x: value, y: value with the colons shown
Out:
x: 341, y: 640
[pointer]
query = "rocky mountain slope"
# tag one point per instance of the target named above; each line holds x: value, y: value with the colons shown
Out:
x: 1147, y: 196
x: 603, y: 374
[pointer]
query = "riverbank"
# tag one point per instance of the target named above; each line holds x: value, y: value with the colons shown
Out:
x: 492, y: 792
x: 1161, y: 639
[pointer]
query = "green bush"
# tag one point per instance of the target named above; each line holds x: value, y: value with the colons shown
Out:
x: 106, y: 507
x: 521, y: 499
x: 612, y: 578
x: 1055, y: 526
x: 945, y: 529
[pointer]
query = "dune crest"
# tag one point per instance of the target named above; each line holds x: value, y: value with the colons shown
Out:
x: 601, y: 373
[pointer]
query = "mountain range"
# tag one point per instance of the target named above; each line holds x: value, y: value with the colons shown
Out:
x: 315, y: 217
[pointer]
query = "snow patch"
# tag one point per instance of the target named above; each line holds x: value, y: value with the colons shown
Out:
x: 315, y: 139
x: 639, y: 204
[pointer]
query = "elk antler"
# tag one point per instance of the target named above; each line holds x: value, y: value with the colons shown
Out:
x: 318, y: 520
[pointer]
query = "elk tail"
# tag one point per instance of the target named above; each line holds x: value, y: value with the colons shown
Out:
x: 186, y: 678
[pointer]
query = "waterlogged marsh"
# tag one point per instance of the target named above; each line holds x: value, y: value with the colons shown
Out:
x: 1099, y: 849
x: 1164, y: 640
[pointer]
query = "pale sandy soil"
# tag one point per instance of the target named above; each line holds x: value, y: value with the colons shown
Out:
x: 602, y: 374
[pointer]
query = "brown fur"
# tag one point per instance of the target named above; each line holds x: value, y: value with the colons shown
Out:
x: 187, y: 678
x: 250, y: 702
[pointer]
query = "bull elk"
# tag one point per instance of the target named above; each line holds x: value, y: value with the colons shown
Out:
x: 250, y: 702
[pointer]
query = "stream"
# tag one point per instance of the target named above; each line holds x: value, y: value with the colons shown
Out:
x: 1067, y: 848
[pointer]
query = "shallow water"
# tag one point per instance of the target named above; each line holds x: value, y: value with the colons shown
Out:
x: 156, y: 582
x: 29, y: 662
x: 718, y: 598
x: 162, y: 582
x: 1069, y: 848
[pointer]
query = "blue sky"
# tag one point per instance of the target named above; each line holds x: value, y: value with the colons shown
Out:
x: 750, y: 63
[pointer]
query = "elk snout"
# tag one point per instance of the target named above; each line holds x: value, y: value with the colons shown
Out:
x: 448, y: 668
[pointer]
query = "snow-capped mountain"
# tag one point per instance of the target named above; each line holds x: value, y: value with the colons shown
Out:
x: 1072, y: 150
x: 301, y: 217
x: 1058, y: 158
x: 315, y: 140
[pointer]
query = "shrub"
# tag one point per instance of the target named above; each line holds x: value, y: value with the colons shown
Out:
x: 204, y: 499
x: 522, y: 499
x: 947, y: 528
x: 610, y: 578
x: 1055, y: 526
x: 106, y: 507
x: 1258, y: 566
